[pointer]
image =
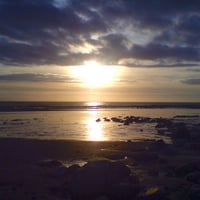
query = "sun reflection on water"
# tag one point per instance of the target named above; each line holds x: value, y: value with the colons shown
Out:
x: 95, y: 129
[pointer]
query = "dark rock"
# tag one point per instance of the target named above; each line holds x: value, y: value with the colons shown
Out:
x: 171, y: 150
x: 194, y: 177
x: 60, y: 172
x: 195, y: 146
x: 184, y: 170
x: 124, y: 190
x: 158, y: 145
x: 160, y: 125
x: 16, y: 120
x: 181, y: 131
x: 73, y: 169
x: 126, y: 122
x: 106, y: 119
x: 50, y: 163
x: 103, y: 197
x: 154, y: 193
x: 144, y: 156
x: 195, y: 193
x: 118, y: 120
x: 161, y: 131
x: 134, y: 180
x: 96, y: 178
x: 115, y: 157
x: 195, y: 135
x: 163, y: 123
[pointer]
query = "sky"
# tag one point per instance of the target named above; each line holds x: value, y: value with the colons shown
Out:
x: 100, y: 50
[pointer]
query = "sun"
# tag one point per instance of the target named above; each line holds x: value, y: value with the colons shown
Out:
x: 93, y: 74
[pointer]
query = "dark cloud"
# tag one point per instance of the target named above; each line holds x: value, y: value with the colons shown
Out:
x: 113, y: 45
x: 30, y: 77
x: 69, y: 32
x: 186, y: 32
x: 192, y: 81
x: 156, y: 51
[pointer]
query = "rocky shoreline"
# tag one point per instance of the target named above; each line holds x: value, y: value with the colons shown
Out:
x: 74, y: 170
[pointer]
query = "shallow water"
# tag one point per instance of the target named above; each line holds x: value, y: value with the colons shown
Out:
x: 81, y: 124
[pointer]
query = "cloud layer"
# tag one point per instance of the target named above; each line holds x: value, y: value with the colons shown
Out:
x: 36, y: 77
x: 132, y: 33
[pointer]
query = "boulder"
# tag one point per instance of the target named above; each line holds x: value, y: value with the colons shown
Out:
x: 158, y: 145
x: 195, y: 192
x: 97, y: 178
x: 181, y: 131
x: 50, y: 163
x: 186, y: 169
x: 194, y: 177
x: 144, y: 156
x: 124, y: 190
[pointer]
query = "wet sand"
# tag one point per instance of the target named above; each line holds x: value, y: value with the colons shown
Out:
x: 33, y: 169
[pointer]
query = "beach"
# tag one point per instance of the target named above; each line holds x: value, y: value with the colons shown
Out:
x: 39, y: 169
x: 99, y: 100
x: 100, y: 153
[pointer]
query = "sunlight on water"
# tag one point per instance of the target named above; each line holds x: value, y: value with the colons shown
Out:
x: 93, y: 104
x: 81, y: 124
x: 94, y: 129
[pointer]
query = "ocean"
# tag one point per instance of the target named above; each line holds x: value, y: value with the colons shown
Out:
x: 92, y: 120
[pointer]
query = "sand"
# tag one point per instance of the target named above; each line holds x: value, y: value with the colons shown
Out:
x: 29, y: 169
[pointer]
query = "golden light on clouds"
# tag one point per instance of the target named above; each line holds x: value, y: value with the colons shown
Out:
x: 93, y: 74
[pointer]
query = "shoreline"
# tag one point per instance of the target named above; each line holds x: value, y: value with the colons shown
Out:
x: 33, y: 169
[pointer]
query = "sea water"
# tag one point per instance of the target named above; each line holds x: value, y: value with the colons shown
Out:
x: 78, y: 121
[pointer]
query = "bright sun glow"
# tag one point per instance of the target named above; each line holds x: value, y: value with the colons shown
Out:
x: 95, y: 75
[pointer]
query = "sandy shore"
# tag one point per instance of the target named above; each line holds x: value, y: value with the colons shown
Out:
x: 33, y: 169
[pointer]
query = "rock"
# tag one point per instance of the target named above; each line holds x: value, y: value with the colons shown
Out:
x: 184, y: 170
x: 106, y: 119
x: 194, y: 177
x: 163, y: 123
x: 96, y: 178
x: 134, y: 180
x: 104, y: 197
x: 160, y: 125
x: 195, y: 146
x: 73, y: 169
x: 118, y: 120
x: 144, y: 156
x: 126, y: 122
x: 116, y: 157
x: 181, y: 131
x: 170, y: 150
x: 195, y: 135
x: 50, y: 163
x: 158, y: 145
x: 154, y: 193
x: 195, y: 193
x: 124, y: 190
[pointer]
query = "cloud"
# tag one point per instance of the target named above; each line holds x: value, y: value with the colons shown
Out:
x: 30, y: 77
x: 67, y: 32
x: 192, y: 81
